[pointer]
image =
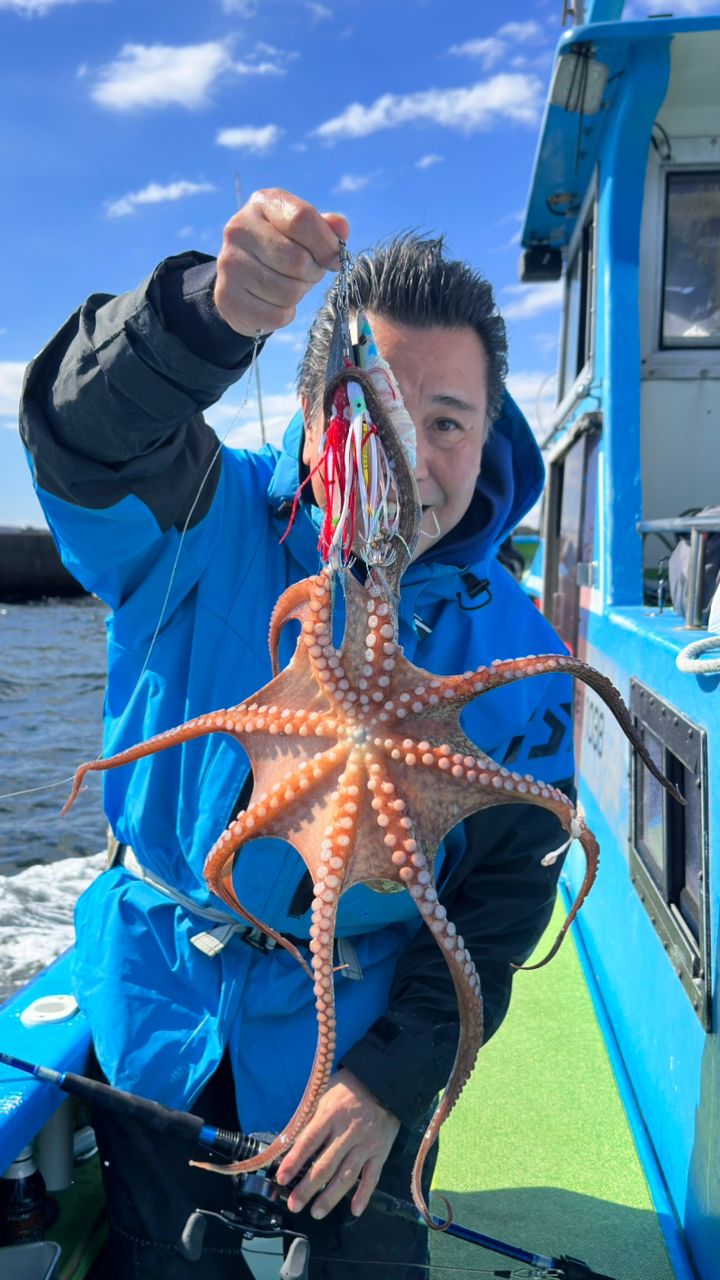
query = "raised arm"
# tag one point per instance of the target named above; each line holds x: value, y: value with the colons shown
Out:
x: 112, y: 409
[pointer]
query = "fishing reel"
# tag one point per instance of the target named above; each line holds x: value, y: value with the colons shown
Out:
x: 259, y: 1213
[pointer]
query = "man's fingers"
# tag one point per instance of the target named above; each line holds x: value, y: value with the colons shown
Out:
x: 274, y: 250
x: 300, y: 222
x: 355, y: 1133
x: 249, y: 273
x: 340, y: 225
x: 368, y: 1181
x: 247, y: 313
x: 321, y: 1172
x: 336, y: 1189
x: 301, y: 1152
x: 271, y: 248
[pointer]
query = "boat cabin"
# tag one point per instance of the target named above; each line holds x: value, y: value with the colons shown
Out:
x: 624, y: 207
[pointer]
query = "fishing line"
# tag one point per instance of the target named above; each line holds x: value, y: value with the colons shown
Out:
x: 46, y: 786
x: 248, y: 383
x: 433, y: 1266
x: 438, y: 531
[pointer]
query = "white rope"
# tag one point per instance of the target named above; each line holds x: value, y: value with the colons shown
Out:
x: 690, y: 662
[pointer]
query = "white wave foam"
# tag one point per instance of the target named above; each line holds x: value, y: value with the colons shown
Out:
x: 36, y: 915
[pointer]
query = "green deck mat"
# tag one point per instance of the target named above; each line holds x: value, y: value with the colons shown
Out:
x: 538, y: 1150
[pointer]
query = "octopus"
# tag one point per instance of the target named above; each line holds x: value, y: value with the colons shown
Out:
x: 360, y: 763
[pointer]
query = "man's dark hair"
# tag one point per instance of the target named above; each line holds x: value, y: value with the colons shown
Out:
x: 410, y: 281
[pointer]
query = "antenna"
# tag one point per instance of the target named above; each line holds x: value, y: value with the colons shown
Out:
x: 574, y: 9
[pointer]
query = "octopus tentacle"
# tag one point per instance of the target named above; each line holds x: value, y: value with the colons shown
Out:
x: 326, y: 894
x: 245, y: 718
x: 381, y: 646
x: 232, y: 901
x: 251, y: 823
x: 459, y: 690
x: 324, y: 913
x: 262, y: 813
x: 293, y: 603
x: 487, y: 776
x: 577, y: 830
x: 470, y: 1007
x: 310, y: 603
x: 215, y: 722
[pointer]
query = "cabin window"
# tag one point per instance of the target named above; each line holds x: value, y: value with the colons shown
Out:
x: 579, y: 307
x: 669, y: 846
x: 570, y: 527
x: 691, y: 260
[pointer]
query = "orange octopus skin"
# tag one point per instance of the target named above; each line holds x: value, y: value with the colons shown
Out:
x: 360, y: 763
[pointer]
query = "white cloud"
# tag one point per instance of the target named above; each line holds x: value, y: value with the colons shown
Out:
x: 34, y: 8
x: 517, y: 98
x: 490, y: 50
x: 523, y: 32
x: 244, y: 422
x: 536, y: 394
x: 532, y: 299
x: 159, y: 75
x: 249, y: 137
x: 354, y: 182
x: 12, y: 373
x: 426, y: 162
x: 155, y: 193
x: 320, y: 12
x: 246, y: 8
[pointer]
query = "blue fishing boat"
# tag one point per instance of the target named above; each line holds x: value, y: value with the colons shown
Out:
x: 626, y: 196
x: 624, y: 208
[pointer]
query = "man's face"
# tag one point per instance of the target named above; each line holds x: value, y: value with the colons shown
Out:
x: 442, y: 374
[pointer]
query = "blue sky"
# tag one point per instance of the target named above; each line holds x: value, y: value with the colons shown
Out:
x: 127, y: 127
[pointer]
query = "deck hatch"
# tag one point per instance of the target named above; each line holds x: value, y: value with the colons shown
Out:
x: 669, y: 845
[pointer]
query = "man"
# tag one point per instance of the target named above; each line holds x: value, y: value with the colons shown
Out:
x: 123, y: 462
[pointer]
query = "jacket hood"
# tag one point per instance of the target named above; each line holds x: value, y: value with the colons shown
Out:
x: 511, y: 478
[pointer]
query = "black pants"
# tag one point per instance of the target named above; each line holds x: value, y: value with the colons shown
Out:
x: 151, y: 1191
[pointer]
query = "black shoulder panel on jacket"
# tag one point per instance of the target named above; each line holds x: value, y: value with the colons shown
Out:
x: 114, y: 406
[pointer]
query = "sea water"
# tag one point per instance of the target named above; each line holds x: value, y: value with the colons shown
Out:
x: 52, y: 676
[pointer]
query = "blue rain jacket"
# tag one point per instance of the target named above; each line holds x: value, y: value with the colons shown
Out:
x: 161, y: 1011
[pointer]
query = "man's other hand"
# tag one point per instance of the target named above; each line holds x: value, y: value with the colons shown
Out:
x: 274, y: 250
x: 353, y: 1135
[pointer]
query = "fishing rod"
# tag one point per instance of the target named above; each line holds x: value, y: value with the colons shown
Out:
x: 259, y: 1210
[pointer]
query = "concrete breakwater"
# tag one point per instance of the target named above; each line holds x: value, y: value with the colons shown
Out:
x: 30, y: 567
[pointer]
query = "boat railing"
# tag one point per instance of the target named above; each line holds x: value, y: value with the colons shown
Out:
x: 699, y: 527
